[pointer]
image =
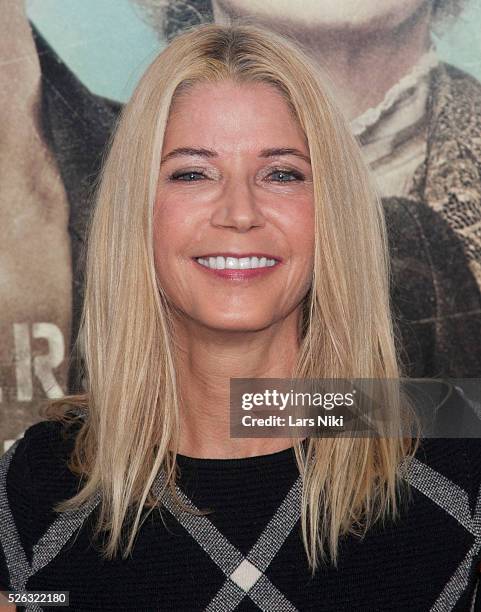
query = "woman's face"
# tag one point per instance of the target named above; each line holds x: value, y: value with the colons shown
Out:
x: 234, y: 195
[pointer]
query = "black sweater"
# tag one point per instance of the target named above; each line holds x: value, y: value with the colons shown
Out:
x: 247, y: 555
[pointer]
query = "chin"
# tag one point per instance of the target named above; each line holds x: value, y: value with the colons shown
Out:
x: 236, y: 324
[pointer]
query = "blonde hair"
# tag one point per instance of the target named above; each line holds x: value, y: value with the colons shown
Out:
x: 132, y: 399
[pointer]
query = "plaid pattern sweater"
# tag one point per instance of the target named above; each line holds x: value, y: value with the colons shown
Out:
x: 247, y: 554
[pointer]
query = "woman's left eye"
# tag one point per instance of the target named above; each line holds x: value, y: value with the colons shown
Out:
x: 286, y: 176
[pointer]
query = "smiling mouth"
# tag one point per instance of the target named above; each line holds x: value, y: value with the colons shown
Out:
x: 221, y: 262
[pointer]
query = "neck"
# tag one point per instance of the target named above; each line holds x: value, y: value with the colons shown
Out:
x: 362, y: 63
x: 206, y: 361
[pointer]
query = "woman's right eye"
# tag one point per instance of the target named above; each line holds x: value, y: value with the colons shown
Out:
x: 188, y: 177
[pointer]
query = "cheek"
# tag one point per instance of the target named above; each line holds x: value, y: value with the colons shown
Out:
x: 161, y: 244
x: 297, y: 225
x: 176, y: 227
x: 166, y: 219
x: 168, y: 237
x: 172, y: 226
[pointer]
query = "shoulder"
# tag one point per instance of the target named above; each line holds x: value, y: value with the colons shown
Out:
x: 454, y: 414
x: 34, y: 477
x: 448, y: 457
x: 44, y: 446
x: 36, y: 464
x: 448, y: 472
x: 38, y: 460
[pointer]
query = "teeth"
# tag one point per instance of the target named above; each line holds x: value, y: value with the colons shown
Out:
x: 235, y: 263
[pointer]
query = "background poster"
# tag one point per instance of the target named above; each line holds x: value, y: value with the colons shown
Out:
x: 406, y: 74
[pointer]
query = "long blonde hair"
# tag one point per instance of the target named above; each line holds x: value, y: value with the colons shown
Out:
x: 131, y: 401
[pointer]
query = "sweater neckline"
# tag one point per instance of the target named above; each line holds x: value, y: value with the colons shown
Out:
x: 282, y: 456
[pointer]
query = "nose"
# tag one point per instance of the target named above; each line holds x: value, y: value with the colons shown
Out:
x: 238, y: 208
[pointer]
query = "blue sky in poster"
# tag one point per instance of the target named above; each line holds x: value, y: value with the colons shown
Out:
x: 108, y: 46
x: 104, y: 42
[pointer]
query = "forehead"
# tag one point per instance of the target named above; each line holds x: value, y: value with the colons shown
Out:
x: 228, y: 90
x: 235, y: 112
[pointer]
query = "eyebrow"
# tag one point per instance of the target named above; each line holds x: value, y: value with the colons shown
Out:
x: 209, y: 153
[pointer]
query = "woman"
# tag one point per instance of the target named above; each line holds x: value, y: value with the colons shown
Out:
x: 236, y: 234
